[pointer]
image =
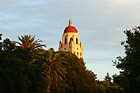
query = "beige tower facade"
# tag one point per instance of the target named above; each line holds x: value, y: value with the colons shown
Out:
x: 71, y: 41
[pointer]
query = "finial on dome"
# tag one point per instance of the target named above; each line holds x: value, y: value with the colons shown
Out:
x: 70, y: 22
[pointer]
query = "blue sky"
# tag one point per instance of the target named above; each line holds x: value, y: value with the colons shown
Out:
x: 100, y: 24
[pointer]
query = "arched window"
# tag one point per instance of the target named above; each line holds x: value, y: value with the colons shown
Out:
x: 71, y: 39
x: 76, y: 40
x: 65, y: 40
x: 77, y: 53
x: 80, y: 54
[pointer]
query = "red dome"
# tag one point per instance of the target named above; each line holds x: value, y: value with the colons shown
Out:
x: 70, y: 29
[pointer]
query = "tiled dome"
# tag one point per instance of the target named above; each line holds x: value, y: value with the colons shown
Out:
x: 70, y: 29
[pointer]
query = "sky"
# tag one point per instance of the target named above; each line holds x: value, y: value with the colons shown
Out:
x: 100, y: 24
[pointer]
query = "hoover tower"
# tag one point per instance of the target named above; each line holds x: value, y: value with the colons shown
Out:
x: 71, y: 41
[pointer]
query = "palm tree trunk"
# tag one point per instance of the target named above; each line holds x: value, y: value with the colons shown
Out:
x: 48, y: 89
x: 49, y: 86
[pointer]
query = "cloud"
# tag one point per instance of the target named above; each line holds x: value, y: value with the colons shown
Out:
x: 124, y: 2
x: 100, y: 24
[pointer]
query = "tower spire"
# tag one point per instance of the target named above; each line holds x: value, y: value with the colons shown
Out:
x: 70, y: 22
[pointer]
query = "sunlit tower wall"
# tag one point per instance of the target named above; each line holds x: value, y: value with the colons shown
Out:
x: 71, y: 41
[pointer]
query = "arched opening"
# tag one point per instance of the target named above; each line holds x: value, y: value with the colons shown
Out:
x: 77, y: 53
x: 71, y: 39
x: 80, y: 54
x: 76, y: 40
x: 65, y: 40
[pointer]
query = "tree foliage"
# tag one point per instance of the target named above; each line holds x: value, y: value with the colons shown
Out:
x: 107, y: 78
x: 0, y: 36
x: 55, y: 68
x: 27, y: 41
x: 19, y: 74
x: 129, y: 65
x: 105, y: 87
x: 78, y: 78
x: 25, y: 72
x: 30, y: 69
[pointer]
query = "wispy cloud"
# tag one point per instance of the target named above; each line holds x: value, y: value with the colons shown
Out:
x: 124, y: 3
x: 100, y: 24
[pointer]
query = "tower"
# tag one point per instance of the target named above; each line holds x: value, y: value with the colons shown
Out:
x: 71, y: 41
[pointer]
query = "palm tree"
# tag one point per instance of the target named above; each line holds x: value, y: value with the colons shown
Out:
x: 27, y: 41
x: 55, y: 68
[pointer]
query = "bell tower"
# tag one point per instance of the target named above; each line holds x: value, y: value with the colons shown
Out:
x: 71, y: 41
